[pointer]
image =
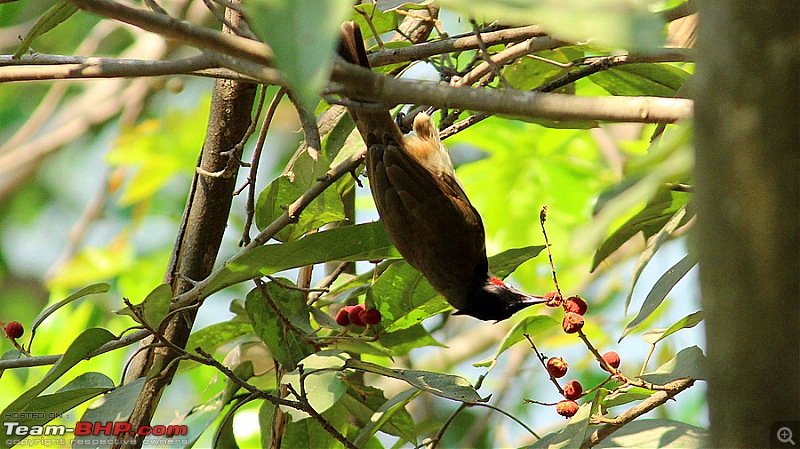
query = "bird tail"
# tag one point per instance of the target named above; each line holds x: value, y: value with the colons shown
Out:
x: 374, y: 124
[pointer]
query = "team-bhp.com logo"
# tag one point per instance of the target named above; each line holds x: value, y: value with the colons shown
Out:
x: 113, y: 429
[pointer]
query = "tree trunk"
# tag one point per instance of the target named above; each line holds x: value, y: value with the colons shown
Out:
x: 748, y: 229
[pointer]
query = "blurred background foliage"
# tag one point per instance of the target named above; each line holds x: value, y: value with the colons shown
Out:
x: 95, y: 174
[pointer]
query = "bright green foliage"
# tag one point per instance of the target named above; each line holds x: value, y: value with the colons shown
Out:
x: 611, y: 200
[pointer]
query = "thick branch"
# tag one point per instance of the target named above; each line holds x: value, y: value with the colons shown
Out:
x: 177, y: 29
x: 43, y: 360
x: 658, y: 398
x: 365, y: 85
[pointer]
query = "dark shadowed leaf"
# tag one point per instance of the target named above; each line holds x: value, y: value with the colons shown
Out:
x: 503, y: 264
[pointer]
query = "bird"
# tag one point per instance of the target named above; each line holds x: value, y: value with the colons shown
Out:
x: 424, y: 208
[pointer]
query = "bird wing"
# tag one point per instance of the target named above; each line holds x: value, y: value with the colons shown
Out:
x: 425, y: 211
x: 429, y: 219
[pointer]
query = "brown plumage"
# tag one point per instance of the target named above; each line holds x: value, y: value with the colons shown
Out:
x: 424, y: 208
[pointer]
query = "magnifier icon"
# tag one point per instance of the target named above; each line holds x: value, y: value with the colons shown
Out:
x: 785, y: 435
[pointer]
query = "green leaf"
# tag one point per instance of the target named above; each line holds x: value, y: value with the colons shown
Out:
x: 54, y: 16
x: 198, y: 421
x: 286, y: 347
x: 323, y: 389
x: 85, y: 291
x: 447, y: 386
x: 670, y: 159
x: 689, y: 363
x: 284, y: 190
x: 210, y: 338
x: 401, y: 342
x: 303, y: 34
x: 529, y: 73
x: 348, y: 243
x: 618, y: 23
x: 531, y: 325
x: 570, y: 436
x: 686, y: 322
x: 648, y: 253
x: 42, y: 409
x: 662, y: 433
x: 659, y: 292
x: 503, y: 264
x: 11, y: 354
x: 383, y: 21
x: 650, y: 220
x: 657, y: 80
x: 156, y: 305
x: 626, y: 397
x: 116, y: 405
x: 405, y: 298
x: 308, y: 432
x: 84, y: 345
x: 385, y: 415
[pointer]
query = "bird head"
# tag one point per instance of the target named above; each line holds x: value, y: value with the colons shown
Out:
x: 493, y: 299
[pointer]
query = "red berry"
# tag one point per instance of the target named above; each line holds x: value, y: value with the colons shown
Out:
x: 343, y: 316
x: 371, y: 316
x: 355, y: 315
x: 612, y: 358
x: 553, y: 299
x: 14, y: 330
x: 573, y: 389
x: 557, y: 367
x: 567, y: 408
x: 572, y: 322
x: 576, y: 304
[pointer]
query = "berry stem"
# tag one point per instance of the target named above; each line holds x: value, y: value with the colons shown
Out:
x: 542, y: 359
x: 542, y: 220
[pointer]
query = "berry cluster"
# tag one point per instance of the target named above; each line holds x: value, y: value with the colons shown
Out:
x: 574, y: 309
x: 358, y: 315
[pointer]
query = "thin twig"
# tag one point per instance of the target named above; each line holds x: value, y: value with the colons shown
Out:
x: 542, y: 360
x: 252, y: 176
x: 542, y: 219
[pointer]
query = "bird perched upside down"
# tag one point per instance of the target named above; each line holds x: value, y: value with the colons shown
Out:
x: 424, y: 209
